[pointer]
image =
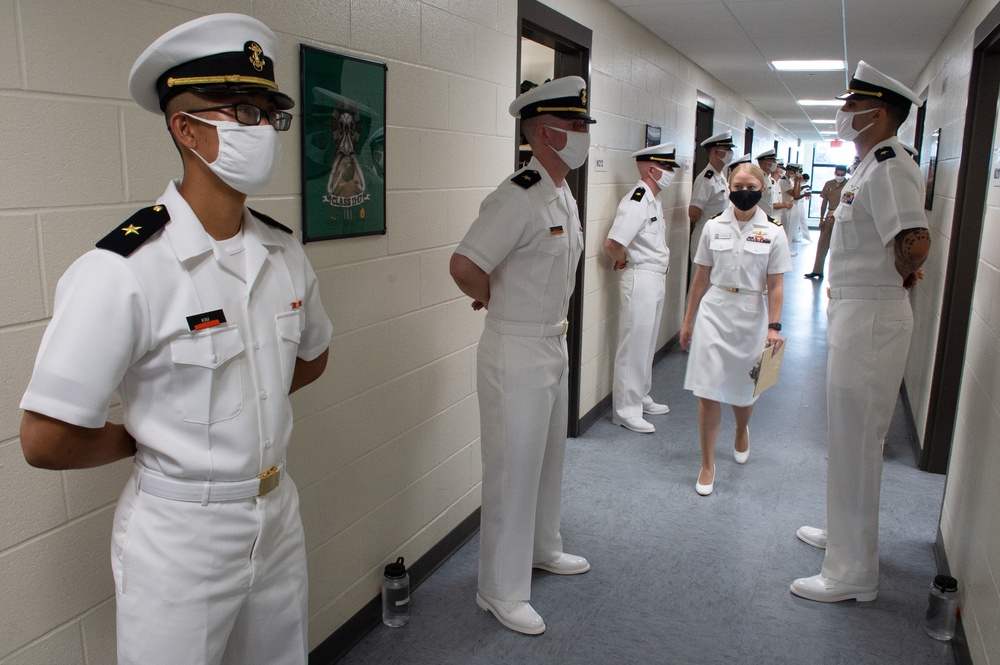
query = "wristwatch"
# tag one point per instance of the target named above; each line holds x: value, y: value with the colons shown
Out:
x: 774, y: 326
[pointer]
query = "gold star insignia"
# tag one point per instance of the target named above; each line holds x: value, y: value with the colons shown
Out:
x: 131, y: 228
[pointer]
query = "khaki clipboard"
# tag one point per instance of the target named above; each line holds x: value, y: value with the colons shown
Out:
x: 765, y: 374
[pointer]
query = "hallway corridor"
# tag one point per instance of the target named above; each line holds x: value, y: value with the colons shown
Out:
x: 680, y: 578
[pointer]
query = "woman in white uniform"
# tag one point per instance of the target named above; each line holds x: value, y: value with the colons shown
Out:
x: 733, y: 311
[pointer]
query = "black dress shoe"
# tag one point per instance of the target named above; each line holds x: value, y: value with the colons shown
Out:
x: 814, y: 275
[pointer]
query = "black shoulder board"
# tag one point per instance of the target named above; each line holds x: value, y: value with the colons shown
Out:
x: 270, y: 222
x: 715, y: 215
x: 137, y: 229
x: 638, y: 193
x: 773, y: 221
x: 885, y: 153
x: 527, y: 178
x: 709, y: 173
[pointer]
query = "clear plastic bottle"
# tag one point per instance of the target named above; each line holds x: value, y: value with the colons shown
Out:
x: 942, y: 606
x: 395, y: 594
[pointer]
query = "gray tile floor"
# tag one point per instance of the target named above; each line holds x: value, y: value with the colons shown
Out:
x: 680, y: 578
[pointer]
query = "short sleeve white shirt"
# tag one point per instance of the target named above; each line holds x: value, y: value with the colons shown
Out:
x: 710, y: 192
x: 883, y: 197
x: 529, y: 239
x: 743, y: 258
x: 640, y: 227
x: 203, y: 403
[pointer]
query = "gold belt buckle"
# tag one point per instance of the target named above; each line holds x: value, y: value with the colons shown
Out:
x: 731, y: 289
x: 565, y: 326
x: 269, y: 480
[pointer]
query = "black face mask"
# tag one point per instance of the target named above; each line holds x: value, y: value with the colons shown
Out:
x: 744, y: 199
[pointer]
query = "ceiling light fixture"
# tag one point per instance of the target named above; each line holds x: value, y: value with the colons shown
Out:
x: 808, y: 65
x: 821, y: 102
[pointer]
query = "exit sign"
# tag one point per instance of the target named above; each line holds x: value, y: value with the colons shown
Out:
x: 835, y: 143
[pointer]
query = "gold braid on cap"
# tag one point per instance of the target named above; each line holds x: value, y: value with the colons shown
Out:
x: 231, y: 78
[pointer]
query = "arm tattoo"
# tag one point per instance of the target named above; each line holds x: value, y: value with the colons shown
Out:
x: 911, y: 248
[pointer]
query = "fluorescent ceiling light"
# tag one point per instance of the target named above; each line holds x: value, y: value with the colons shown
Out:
x: 821, y: 102
x: 808, y: 65
x: 824, y: 122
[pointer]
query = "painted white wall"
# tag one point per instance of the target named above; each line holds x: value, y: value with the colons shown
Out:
x: 968, y: 518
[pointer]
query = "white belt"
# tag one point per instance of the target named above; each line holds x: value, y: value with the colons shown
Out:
x: 736, y: 289
x: 866, y: 293
x: 519, y: 329
x: 206, y: 491
x: 651, y: 267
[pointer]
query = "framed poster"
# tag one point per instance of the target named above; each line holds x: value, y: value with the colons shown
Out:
x: 652, y: 135
x: 932, y: 169
x: 343, y: 145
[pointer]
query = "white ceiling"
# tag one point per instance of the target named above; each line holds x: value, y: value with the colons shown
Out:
x: 735, y: 41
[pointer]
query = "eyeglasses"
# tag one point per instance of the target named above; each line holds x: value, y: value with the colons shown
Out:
x: 248, y: 114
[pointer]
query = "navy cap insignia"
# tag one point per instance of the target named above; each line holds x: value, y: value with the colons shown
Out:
x: 137, y: 229
x: 885, y: 153
x: 583, y: 97
x: 255, y: 53
x: 638, y: 193
x: 527, y: 178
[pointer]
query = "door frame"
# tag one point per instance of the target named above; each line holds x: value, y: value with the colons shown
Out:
x: 964, y: 247
x: 572, y: 43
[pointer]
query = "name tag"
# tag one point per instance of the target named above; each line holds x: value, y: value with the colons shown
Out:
x: 723, y: 236
x: 206, y: 320
x: 555, y: 230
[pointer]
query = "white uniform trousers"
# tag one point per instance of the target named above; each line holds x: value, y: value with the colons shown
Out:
x: 869, y: 341
x: 523, y: 397
x: 217, y: 584
x: 639, y: 315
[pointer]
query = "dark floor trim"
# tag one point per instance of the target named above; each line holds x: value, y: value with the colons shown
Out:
x: 959, y: 643
x: 911, y: 425
x: 599, y: 409
x: 369, y: 617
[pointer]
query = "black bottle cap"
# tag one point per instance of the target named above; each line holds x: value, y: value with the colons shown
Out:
x: 942, y: 583
x: 397, y: 570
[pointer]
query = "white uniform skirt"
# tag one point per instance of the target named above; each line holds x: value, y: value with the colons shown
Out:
x: 729, y: 334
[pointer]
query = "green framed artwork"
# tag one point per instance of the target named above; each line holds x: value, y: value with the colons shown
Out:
x: 343, y: 145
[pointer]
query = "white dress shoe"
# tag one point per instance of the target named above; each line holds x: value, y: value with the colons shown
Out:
x: 810, y: 535
x: 741, y: 458
x: 518, y: 615
x: 705, y: 490
x: 653, y: 409
x: 634, y: 424
x: 825, y: 590
x: 566, y: 564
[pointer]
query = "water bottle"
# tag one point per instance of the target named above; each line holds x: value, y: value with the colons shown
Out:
x: 395, y: 595
x: 942, y: 606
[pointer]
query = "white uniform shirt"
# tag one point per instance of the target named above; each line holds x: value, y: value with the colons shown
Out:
x: 883, y: 197
x: 710, y: 192
x: 202, y: 404
x: 640, y: 227
x: 529, y: 241
x: 743, y: 258
x: 767, y: 198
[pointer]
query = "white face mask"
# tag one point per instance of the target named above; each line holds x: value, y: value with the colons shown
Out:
x: 845, y: 122
x: 577, y: 147
x: 727, y: 157
x: 666, y: 177
x: 248, y: 154
x: 839, y: 178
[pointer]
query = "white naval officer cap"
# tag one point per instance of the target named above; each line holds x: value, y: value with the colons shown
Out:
x: 214, y: 54
x: 664, y: 155
x: 870, y: 83
x: 768, y: 154
x: 745, y: 159
x: 564, y: 97
x: 723, y: 140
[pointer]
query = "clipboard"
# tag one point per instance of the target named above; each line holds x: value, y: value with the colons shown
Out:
x: 765, y: 374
